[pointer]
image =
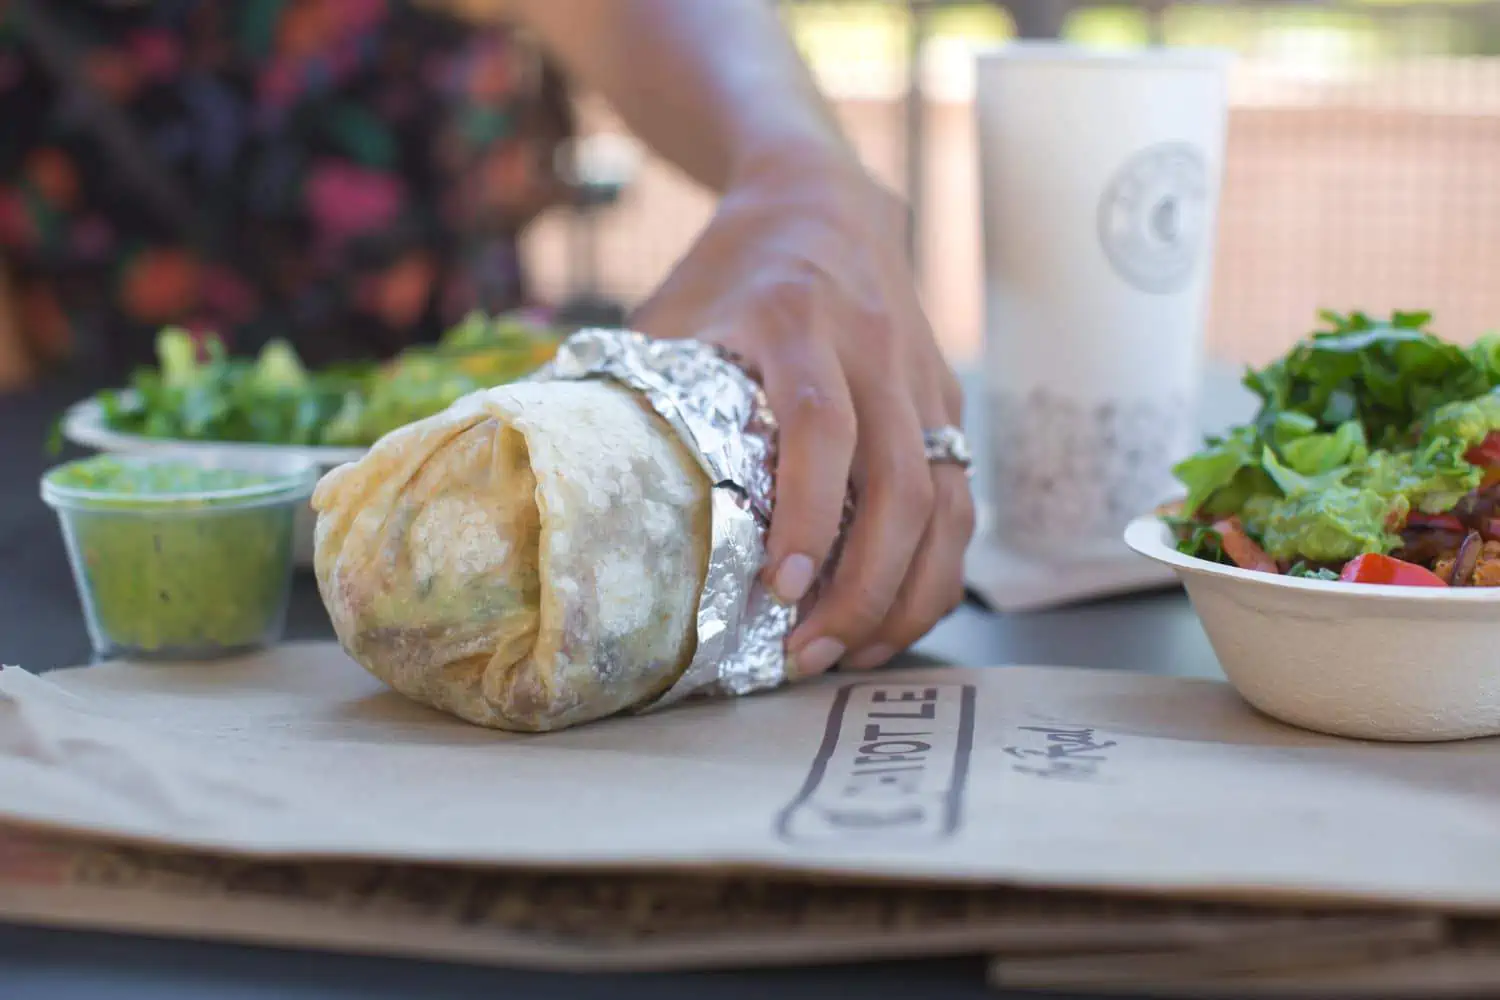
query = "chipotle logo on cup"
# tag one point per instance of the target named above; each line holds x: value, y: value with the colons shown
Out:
x: 1154, y: 215
x: 891, y: 769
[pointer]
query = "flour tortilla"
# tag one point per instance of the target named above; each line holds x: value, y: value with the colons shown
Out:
x: 529, y: 559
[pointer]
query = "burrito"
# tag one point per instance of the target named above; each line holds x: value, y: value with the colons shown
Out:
x: 529, y: 559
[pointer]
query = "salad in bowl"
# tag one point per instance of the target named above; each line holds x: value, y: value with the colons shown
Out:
x: 1342, y: 549
x: 198, y: 394
x: 199, y: 401
x: 1374, y: 459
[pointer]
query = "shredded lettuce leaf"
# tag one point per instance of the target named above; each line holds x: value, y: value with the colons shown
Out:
x: 1311, y: 572
x: 274, y: 399
x: 1360, y: 424
x: 1329, y: 525
x: 1195, y: 538
x: 1216, y: 466
x: 1386, y: 374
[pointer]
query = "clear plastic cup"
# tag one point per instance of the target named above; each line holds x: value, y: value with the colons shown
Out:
x: 180, y: 557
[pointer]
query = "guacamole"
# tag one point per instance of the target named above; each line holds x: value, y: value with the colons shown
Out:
x: 176, y: 559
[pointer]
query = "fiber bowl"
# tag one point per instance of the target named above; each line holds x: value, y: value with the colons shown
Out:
x: 1409, y: 664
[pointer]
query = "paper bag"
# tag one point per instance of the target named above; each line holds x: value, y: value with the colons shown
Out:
x: 612, y: 922
x: 1021, y: 776
x: 1372, y: 963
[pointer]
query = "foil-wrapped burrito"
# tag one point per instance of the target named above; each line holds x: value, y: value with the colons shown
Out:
x: 554, y: 551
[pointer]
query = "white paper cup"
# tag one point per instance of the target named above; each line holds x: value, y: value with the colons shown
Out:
x: 1100, y: 176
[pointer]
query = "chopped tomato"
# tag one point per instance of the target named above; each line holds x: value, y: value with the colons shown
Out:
x: 1486, y: 453
x: 1242, y: 549
x: 1376, y: 568
x: 1447, y: 522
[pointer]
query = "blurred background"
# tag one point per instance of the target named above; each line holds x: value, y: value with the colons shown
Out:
x: 1363, y: 166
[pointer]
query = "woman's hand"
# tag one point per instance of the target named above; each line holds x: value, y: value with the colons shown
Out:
x: 803, y: 273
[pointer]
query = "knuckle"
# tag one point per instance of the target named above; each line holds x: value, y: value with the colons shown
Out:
x: 813, y: 409
x: 788, y: 281
x: 790, y: 293
x: 783, y: 307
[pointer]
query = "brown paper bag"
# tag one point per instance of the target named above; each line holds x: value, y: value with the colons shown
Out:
x: 288, y: 798
x: 1312, y: 952
x: 1375, y: 972
x: 1022, y: 776
x: 608, y: 922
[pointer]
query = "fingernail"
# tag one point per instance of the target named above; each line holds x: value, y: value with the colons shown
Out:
x: 816, y: 657
x: 871, y: 657
x: 794, y: 579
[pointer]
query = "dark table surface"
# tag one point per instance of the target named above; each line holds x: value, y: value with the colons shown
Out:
x: 41, y: 628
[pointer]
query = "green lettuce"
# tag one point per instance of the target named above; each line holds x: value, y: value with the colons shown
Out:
x: 1386, y: 374
x: 1360, y: 424
x: 1198, y: 539
x: 177, y: 355
x: 278, y: 369
x: 1311, y: 572
x: 1290, y: 482
x: 1317, y: 454
x: 1329, y: 525
x: 1349, y: 510
x: 1485, y: 354
x: 1225, y: 473
x: 273, y: 398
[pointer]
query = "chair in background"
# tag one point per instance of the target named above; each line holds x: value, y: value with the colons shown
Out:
x: 598, y: 171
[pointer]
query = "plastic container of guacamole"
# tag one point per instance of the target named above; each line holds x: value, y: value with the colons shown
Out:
x: 180, y: 558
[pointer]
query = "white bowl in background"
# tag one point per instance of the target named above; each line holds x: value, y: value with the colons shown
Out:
x: 1358, y: 660
x: 84, y: 425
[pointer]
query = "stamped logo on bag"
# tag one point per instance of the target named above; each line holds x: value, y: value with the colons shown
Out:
x: 891, y: 769
x: 1153, y: 217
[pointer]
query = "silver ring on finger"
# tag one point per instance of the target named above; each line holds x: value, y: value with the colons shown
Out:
x: 948, y: 446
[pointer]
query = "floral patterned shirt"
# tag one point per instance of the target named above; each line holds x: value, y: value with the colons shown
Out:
x: 347, y: 174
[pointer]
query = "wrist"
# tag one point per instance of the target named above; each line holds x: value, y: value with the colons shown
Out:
x: 816, y: 179
x: 794, y: 162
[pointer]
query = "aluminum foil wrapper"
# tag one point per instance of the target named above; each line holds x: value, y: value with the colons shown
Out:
x: 722, y: 415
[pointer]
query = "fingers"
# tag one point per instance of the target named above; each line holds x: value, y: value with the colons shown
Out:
x: 895, y: 499
x: 935, y: 584
x: 805, y: 386
x: 852, y: 372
